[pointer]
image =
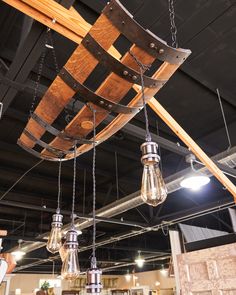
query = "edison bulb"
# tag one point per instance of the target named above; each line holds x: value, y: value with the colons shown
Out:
x: 153, y: 190
x: 70, y: 267
x: 54, y: 240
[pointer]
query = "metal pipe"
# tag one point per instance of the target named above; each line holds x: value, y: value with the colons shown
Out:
x: 134, y: 200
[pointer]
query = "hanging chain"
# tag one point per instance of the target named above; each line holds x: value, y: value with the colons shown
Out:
x: 37, y: 81
x: 94, y: 261
x: 73, y: 194
x: 224, y: 119
x: 52, y: 47
x: 57, y: 69
x: 59, y: 187
x: 143, y: 68
x: 173, y: 27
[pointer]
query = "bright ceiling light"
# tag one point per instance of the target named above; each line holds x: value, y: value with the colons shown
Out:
x: 195, y: 180
x: 18, y: 253
x: 128, y: 276
x: 163, y: 270
x: 139, y: 260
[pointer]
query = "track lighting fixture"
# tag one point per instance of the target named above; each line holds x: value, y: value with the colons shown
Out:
x: 54, y: 241
x: 194, y: 180
x: 70, y: 267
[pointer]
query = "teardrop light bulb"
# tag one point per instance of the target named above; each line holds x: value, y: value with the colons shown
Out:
x: 70, y: 267
x: 54, y: 240
x: 153, y: 189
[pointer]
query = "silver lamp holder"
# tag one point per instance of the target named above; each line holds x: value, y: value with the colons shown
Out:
x: 57, y: 219
x: 149, y: 153
x: 72, y: 239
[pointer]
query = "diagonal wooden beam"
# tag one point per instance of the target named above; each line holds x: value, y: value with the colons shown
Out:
x: 70, y: 24
x: 194, y: 148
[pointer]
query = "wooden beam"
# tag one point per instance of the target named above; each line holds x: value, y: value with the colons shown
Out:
x: 75, y: 28
x: 47, y: 19
x: 194, y: 148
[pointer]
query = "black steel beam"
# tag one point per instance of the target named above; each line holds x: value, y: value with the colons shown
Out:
x: 212, y: 242
x: 25, y: 59
x: 68, y: 213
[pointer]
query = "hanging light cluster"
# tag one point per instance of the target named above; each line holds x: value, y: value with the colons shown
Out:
x: 54, y: 241
x: 70, y: 267
x: 94, y: 285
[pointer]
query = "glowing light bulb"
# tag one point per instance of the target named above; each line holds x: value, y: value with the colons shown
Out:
x: 153, y: 189
x: 195, y: 181
x: 70, y: 267
x: 128, y: 277
x: 19, y: 253
x: 54, y: 240
x: 139, y: 260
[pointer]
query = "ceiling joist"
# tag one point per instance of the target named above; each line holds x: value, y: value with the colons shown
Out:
x: 70, y: 24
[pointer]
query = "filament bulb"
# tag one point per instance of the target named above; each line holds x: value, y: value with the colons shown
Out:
x: 70, y: 267
x: 153, y: 189
x: 54, y: 240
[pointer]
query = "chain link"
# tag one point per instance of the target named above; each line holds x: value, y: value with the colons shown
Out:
x: 173, y: 27
x: 68, y: 116
x: 37, y: 81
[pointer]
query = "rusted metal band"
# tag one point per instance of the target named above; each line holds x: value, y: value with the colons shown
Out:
x: 56, y: 151
x: 58, y: 133
x: 125, y: 23
x: 116, y: 66
x: 39, y: 155
x: 85, y: 94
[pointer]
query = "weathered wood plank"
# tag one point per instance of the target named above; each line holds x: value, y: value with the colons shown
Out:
x: 81, y: 64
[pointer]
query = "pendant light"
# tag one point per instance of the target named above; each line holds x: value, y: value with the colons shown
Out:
x: 128, y: 276
x: 19, y: 253
x: 70, y: 267
x: 194, y: 180
x: 94, y: 285
x: 139, y: 260
x: 54, y: 241
x: 153, y: 188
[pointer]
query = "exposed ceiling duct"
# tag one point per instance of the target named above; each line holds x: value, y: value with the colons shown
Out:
x: 134, y: 200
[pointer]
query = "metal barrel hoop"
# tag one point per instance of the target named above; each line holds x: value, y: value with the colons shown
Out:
x: 114, y: 65
x: 85, y: 94
x: 123, y: 20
